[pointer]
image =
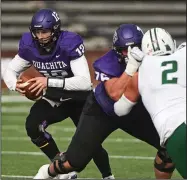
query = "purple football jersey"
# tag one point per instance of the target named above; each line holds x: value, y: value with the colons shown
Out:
x: 106, y: 67
x: 69, y: 47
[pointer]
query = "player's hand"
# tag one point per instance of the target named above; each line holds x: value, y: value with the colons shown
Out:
x: 135, y: 57
x: 20, y: 87
x: 40, y: 83
x: 136, y: 53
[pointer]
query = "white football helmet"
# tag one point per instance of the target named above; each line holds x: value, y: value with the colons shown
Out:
x: 181, y: 45
x: 158, y: 42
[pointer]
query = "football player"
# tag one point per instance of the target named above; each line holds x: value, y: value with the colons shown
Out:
x: 59, y: 56
x: 99, y: 119
x: 161, y: 82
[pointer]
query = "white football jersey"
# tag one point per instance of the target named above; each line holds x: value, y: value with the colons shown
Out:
x: 162, y: 85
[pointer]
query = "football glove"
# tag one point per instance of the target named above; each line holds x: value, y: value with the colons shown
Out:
x: 135, y: 56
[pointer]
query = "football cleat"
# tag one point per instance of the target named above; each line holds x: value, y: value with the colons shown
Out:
x: 110, y: 177
x: 71, y: 175
x: 42, y: 172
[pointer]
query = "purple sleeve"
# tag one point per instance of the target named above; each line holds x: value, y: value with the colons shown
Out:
x: 76, y: 48
x: 109, y: 66
x: 100, y: 76
x: 100, y: 73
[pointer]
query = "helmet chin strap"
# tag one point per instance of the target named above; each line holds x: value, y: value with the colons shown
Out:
x: 47, y: 48
x: 44, y: 41
x: 122, y: 58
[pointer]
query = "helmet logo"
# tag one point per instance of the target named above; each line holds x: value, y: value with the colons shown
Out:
x: 37, y: 26
x: 115, y: 37
x: 129, y: 43
x: 56, y: 26
x: 150, y: 51
x: 55, y: 15
x: 139, y: 29
x: 168, y: 48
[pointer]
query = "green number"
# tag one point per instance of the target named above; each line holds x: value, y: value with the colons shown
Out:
x: 174, y: 68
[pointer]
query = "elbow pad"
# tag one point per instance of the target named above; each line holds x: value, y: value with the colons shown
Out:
x: 123, y: 106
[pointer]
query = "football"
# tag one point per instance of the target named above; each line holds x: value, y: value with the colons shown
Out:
x: 25, y: 76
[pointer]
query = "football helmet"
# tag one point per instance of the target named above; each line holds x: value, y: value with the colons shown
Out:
x: 46, y: 19
x: 158, y: 42
x: 126, y: 35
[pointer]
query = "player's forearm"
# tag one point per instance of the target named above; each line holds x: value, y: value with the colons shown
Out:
x: 123, y: 106
x: 81, y: 80
x: 129, y: 97
x: 10, y: 78
x: 76, y: 83
x: 131, y: 92
x: 116, y: 88
x: 16, y: 66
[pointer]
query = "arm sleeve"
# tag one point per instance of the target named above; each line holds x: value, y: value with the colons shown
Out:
x: 123, y: 106
x: 81, y: 80
x: 15, y: 67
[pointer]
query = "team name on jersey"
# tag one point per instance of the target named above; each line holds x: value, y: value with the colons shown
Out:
x: 49, y: 65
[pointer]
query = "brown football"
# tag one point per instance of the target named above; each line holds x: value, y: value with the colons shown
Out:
x: 25, y: 76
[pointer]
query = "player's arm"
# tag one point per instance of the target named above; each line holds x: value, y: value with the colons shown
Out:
x: 116, y: 87
x: 131, y: 94
x: 72, y: 87
x: 129, y: 98
x: 15, y: 67
x: 76, y: 87
x: 81, y: 80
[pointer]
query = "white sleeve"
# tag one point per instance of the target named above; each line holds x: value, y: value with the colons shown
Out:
x: 123, y: 106
x: 81, y: 80
x: 15, y: 67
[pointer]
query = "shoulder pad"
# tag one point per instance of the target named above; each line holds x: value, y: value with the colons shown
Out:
x: 25, y: 44
x: 73, y: 44
x: 26, y: 40
x: 109, y: 64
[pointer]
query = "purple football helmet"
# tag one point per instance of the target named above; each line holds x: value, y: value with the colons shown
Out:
x: 46, y: 19
x: 126, y: 35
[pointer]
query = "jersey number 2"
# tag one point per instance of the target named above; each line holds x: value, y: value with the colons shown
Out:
x: 174, y: 68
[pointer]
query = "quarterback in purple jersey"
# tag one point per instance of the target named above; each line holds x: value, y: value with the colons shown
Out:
x: 99, y: 118
x: 59, y: 56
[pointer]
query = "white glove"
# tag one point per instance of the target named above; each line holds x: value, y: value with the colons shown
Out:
x: 135, y: 56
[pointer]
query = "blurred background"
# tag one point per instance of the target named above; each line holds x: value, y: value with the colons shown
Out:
x: 96, y: 22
